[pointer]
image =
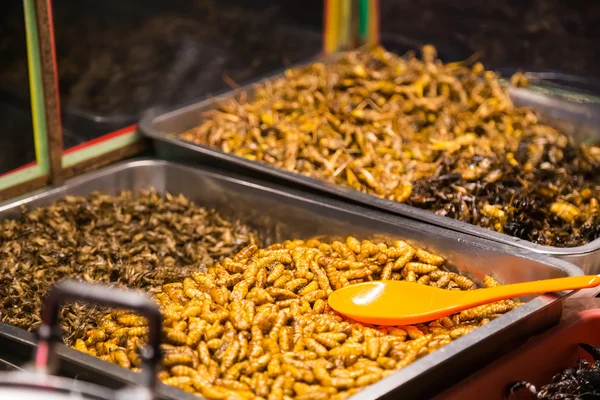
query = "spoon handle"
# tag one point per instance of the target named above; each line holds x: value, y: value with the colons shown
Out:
x: 504, y: 292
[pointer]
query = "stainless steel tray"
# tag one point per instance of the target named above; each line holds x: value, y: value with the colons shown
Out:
x: 576, y: 114
x: 280, y: 213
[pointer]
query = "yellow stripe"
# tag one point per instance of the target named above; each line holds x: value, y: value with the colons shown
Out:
x: 329, y: 32
x: 345, y: 20
x: 333, y: 17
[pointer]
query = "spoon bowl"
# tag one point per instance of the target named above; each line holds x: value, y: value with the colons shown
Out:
x: 405, y: 303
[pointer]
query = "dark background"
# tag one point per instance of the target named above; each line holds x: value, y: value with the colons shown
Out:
x: 118, y: 58
x: 553, y: 35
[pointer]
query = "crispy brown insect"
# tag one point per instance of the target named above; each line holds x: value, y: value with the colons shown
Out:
x: 489, y: 281
x: 171, y: 359
x: 281, y: 294
x: 80, y: 345
x: 120, y: 357
x: 245, y: 253
x: 147, y: 234
x: 566, y: 211
x: 295, y: 285
x: 464, y: 283
x: 275, y: 273
x: 353, y: 244
x: 95, y: 336
x: 420, y: 268
x: 177, y: 381
x: 403, y: 259
x: 311, y: 287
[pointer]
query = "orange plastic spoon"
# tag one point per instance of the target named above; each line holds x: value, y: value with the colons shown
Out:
x: 404, y: 303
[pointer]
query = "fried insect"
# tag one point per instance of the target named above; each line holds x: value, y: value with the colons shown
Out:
x: 139, y: 240
x: 579, y: 382
x: 266, y: 341
x: 441, y: 137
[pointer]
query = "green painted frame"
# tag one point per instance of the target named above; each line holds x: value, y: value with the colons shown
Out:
x: 41, y: 167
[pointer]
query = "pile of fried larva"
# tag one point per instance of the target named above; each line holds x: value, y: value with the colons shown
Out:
x: 258, y: 325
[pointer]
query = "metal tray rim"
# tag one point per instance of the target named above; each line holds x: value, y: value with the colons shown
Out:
x: 146, y: 128
x: 120, y: 374
x: 296, y: 194
x: 420, y: 366
x: 372, y: 391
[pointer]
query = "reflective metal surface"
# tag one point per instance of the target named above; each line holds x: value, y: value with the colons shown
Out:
x: 280, y: 213
x: 573, y: 114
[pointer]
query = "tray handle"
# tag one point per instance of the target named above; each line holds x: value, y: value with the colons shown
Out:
x: 49, y: 332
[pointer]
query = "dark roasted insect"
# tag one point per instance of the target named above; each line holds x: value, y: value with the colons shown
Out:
x: 138, y: 240
x: 442, y: 137
x: 576, y: 383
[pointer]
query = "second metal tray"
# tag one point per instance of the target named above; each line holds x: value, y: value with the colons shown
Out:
x: 577, y: 115
x: 278, y: 214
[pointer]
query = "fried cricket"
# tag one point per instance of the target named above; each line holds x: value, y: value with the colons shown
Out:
x: 138, y: 240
